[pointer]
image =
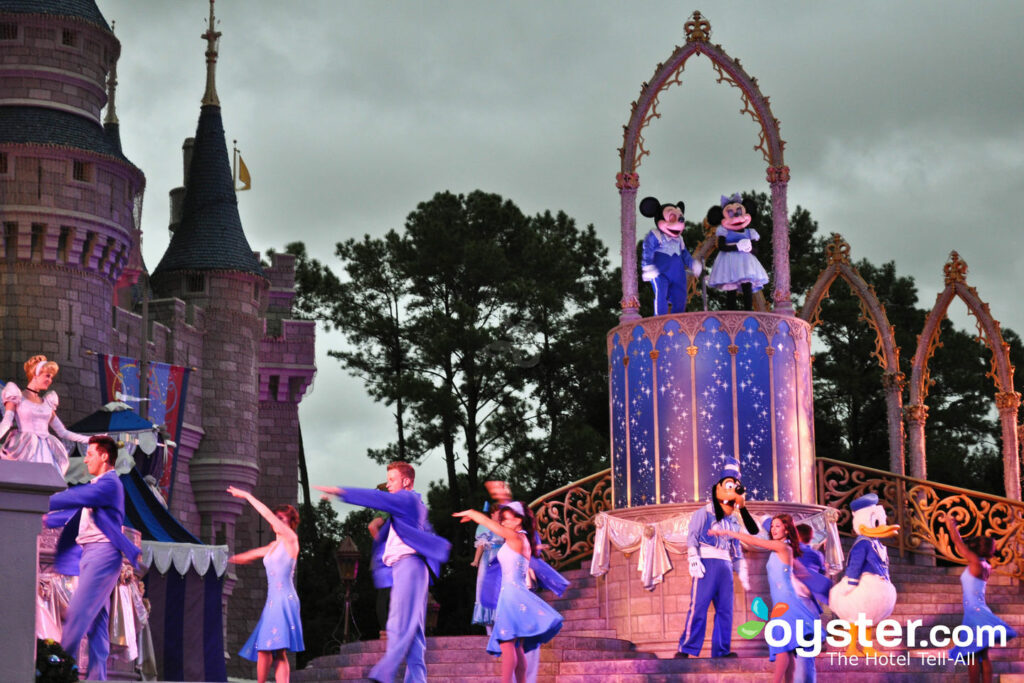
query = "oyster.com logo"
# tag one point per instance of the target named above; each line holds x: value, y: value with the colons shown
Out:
x: 751, y: 629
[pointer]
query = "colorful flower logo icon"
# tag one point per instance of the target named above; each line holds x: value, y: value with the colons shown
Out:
x: 752, y: 628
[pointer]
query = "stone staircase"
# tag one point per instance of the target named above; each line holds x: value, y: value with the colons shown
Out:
x: 587, y: 649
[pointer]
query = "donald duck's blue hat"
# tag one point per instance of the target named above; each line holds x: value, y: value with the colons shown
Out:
x: 864, y: 501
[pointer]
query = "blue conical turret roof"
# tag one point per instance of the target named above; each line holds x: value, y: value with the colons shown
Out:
x: 210, y: 236
x: 85, y: 10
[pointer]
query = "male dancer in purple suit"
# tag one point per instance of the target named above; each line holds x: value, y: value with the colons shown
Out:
x: 90, y: 547
x: 405, y: 551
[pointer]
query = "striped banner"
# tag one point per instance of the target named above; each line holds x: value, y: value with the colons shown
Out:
x: 166, y: 389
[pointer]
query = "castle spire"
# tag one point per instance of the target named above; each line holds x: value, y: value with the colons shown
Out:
x: 111, y: 117
x: 212, y: 39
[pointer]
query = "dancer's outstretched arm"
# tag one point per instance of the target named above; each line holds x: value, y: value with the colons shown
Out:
x: 284, y: 532
x: 512, y: 537
x: 756, y: 541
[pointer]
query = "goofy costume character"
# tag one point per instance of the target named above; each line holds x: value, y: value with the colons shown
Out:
x: 713, y: 559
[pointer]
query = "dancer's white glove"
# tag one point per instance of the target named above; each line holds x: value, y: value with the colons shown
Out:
x: 744, y: 575
x: 696, y: 566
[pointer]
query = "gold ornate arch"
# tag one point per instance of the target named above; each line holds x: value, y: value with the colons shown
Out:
x: 838, y: 265
x: 770, y: 144
x: 1006, y: 397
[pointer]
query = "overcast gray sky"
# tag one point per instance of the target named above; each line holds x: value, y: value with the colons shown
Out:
x: 902, y: 121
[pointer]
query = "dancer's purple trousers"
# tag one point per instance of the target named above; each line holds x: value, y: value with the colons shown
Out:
x: 407, y: 616
x: 88, y: 611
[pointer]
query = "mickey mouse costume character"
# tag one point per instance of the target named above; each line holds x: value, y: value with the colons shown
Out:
x: 712, y: 561
x: 665, y: 259
x: 736, y: 267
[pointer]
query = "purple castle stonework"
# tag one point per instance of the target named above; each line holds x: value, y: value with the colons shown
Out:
x: 73, y: 282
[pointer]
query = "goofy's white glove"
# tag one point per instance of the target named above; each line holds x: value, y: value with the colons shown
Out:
x: 696, y: 566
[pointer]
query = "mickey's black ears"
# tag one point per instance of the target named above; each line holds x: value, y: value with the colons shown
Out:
x: 650, y: 207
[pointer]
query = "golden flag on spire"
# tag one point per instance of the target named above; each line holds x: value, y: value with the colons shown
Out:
x: 243, y: 176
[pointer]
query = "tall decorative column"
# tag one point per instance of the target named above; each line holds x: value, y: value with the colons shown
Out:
x: 916, y: 416
x: 778, y: 179
x: 1008, y: 403
x: 893, y: 384
x: 628, y: 184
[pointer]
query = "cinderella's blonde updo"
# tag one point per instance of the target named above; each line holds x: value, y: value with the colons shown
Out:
x: 33, y: 367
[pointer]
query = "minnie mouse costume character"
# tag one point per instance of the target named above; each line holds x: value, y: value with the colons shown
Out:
x: 665, y: 259
x: 736, y: 267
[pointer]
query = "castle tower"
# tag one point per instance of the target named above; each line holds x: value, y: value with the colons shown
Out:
x: 210, y: 265
x: 69, y: 198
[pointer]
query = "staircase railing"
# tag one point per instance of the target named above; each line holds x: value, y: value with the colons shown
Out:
x: 919, y: 507
x: 565, y: 517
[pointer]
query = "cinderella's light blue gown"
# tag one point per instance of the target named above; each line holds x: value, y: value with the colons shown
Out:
x: 780, y: 581
x: 279, y: 627
x: 520, y: 614
x: 977, y: 613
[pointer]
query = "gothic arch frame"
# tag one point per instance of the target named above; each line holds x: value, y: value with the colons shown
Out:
x: 632, y: 152
x: 1006, y: 398
x: 874, y: 313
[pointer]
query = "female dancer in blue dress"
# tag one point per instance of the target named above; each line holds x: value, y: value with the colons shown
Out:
x: 487, y: 545
x: 977, y: 550
x: 522, y: 620
x: 785, y: 545
x: 280, y: 627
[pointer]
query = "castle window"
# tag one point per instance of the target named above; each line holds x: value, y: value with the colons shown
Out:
x: 10, y: 240
x: 195, y: 283
x: 69, y: 38
x: 64, y: 243
x: 274, y: 384
x: 38, y: 237
x: 82, y: 172
x: 90, y: 244
x: 3, y: 163
x: 8, y: 31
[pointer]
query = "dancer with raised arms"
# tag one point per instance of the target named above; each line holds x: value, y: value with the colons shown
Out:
x: 522, y: 620
x: 279, y: 629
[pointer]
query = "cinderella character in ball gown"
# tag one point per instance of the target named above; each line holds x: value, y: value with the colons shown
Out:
x: 29, y: 416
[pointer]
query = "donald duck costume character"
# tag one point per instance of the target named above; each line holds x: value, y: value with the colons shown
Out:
x: 866, y: 588
x: 712, y: 560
